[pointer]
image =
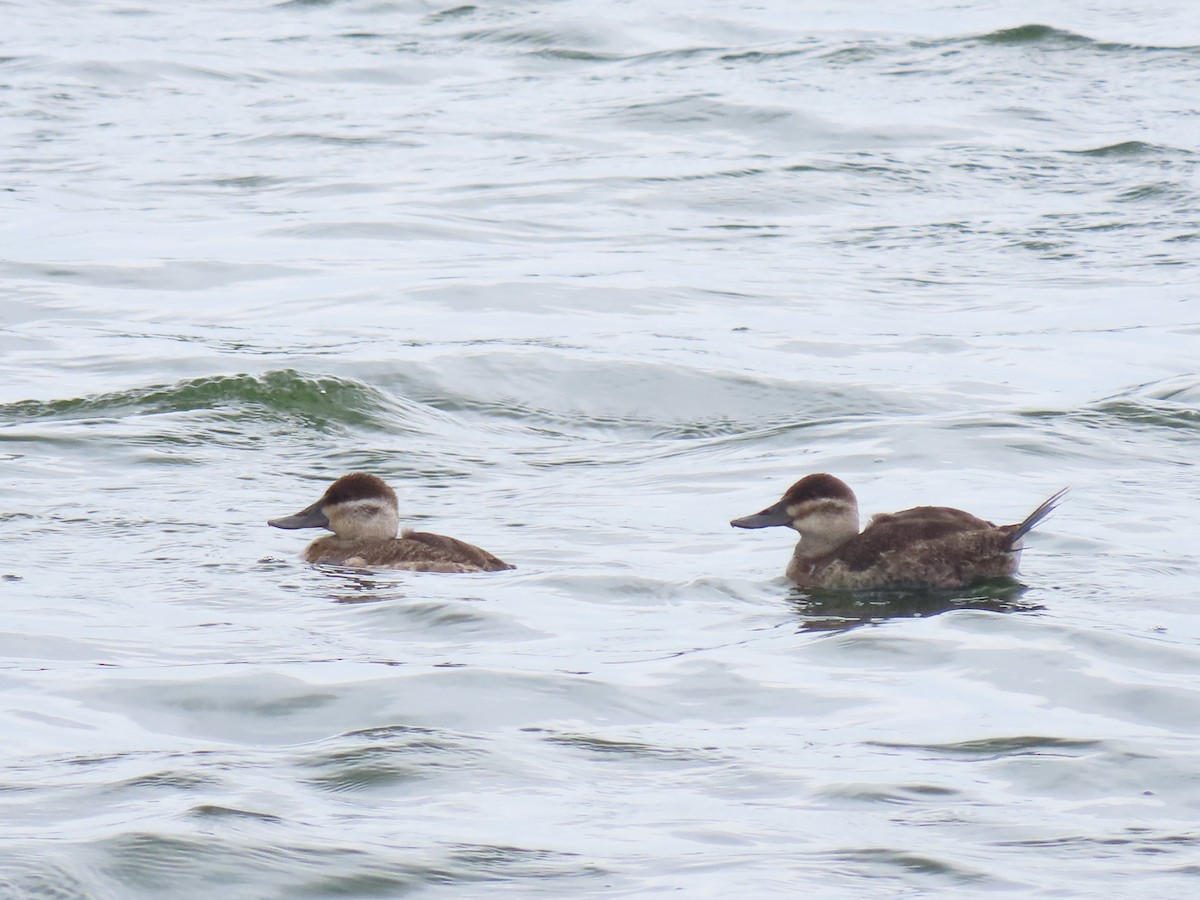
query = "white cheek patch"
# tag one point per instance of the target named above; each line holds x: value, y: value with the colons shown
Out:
x: 817, y: 510
x: 823, y: 522
x: 365, y: 506
x: 356, y: 510
x: 365, y: 517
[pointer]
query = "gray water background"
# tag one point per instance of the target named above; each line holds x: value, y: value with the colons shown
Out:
x: 584, y: 281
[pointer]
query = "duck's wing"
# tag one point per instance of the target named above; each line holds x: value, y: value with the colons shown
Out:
x: 937, y: 516
x: 448, y: 549
x: 926, y: 546
x: 894, y: 536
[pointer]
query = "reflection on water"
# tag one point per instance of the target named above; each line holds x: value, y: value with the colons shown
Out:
x: 842, y: 610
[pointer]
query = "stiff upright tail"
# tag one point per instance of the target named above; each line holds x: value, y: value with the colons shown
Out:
x: 1035, y: 517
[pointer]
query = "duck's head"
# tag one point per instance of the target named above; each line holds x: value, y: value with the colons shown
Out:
x: 355, y: 507
x: 822, y: 508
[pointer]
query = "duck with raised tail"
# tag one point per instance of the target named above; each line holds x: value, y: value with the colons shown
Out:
x: 362, y: 512
x: 923, y: 547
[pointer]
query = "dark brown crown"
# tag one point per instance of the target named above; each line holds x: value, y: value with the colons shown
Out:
x: 357, y: 486
x: 818, y: 487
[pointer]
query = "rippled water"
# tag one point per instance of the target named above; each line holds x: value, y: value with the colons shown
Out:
x: 585, y: 281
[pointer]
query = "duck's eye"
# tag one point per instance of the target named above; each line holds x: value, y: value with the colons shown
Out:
x: 369, y: 508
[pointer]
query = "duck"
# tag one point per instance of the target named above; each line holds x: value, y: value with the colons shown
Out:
x: 361, y: 511
x: 923, y: 547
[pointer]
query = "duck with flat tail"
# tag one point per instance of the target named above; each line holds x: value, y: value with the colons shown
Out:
x: 362, y: 512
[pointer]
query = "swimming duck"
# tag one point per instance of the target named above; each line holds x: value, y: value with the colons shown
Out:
x: 928, y: 546
x: 362, y: 512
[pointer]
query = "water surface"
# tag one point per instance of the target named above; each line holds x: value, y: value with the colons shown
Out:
x: 583, y: 283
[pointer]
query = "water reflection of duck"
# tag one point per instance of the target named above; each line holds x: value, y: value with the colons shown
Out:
x: 927, y: 546
x: 362, y: 512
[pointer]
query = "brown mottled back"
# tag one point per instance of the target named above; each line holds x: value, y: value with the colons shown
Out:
x: 460, y: 551
x: 934, y: 546
x: 415, y: 551
x: 906, y: 529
